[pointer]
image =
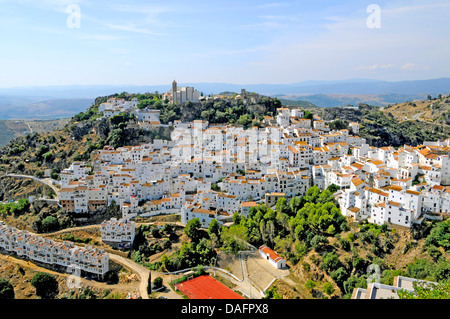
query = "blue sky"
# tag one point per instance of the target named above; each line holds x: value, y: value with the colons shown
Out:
x: 242, y: 42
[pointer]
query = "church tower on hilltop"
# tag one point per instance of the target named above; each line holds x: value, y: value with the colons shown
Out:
x: 174, y: 91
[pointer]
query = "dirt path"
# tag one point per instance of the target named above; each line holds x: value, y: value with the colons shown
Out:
x: 140, y: 270
x: 29, y: 126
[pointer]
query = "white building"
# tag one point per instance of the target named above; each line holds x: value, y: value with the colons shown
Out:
x: 205, y: 216
x: 120, y: 231
x: 381, y: 291
x: 64, y: 254
x: 182, y: 94
x: 274, y: 259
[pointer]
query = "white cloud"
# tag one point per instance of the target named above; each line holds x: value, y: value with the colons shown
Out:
x: 413, y: 67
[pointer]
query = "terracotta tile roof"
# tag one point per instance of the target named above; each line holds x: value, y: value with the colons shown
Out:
x: 272, y: 255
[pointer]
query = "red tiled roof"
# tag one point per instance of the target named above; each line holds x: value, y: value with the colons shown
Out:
x: 272, y: 255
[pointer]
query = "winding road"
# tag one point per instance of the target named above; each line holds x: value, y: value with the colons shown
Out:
x: 46, y: 181
x: 143, y: 272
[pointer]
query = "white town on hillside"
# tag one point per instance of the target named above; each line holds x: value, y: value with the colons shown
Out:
x: 209, y: 171
x: 257, y: 165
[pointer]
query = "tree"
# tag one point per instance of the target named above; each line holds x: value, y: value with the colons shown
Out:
x: 294, y: 205
x: 333, y: 188
x: 331, y: 230
x: 214, y: 228
x: 310, y: 285
x: 245, y: 120
x: 157, y: 283
x: 47, y: 157
x: 46, y: 285
x: 236, y: 218
x: 424, y: 291
x: 330, y: 262
x: 319, y: 242
x: 192, y: 229
x: 339, y: 276
x: 354, y: 282
x: 440, y: 236
x: 39, y: 174
x: 338, y: 125
x: 308, y: 115
x: 328, y: 288
x: 49, y: 224
x: 6, y: 289
x: 165, y: 261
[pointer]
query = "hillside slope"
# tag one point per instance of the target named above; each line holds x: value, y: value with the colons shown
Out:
x: 435, y: 110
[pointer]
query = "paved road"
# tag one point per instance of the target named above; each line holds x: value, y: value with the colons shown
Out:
x: 46, y: 181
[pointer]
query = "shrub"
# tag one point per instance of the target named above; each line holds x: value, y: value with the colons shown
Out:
x: 6, y: 289
x: 157, y: 282
x: 46, y: 285
x: 328, y: 288
x: 310, y: 285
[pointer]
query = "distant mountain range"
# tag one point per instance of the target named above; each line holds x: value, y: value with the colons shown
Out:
x: 13, y: 108
x: 65, y: 101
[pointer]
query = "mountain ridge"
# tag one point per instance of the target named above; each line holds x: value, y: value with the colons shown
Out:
x: 350, y: 86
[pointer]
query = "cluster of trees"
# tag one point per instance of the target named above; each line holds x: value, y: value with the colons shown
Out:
x: 143, y: 247
x: 91, y: 113
x: 34, y: 151
x: 223, y: 111
x: 378, y: 241
x: 293, y: 228
x: 439, y: 236
x: 49, y: 218
x: 423, y: 291
x: 198, y: 251
x: 15, y: 209
x: 338, y: 125
x: 214, y: 111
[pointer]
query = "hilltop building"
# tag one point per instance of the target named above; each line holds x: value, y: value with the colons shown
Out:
x: 182, y: 94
